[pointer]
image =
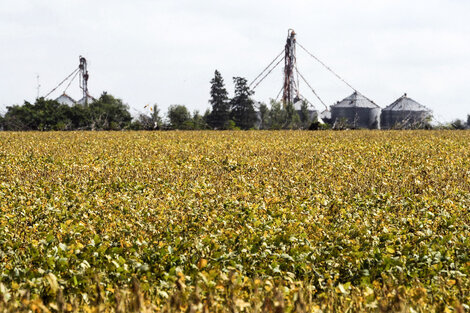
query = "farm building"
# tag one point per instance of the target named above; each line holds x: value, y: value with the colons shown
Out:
x: 405, y: 113
x: 66, y: 99
x: 356, y: 111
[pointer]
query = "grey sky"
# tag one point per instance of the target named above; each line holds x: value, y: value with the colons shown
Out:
x: 166, y: 52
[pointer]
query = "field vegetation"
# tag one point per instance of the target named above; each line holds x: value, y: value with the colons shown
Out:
x: 256, y: 221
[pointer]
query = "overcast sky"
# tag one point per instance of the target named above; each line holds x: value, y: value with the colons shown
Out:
x: 165, y: 52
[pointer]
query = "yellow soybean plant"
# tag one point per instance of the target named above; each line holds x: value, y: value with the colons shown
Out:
x: 257, y: 221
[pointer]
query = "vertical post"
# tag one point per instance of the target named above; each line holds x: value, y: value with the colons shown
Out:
x: 289, y: 65
x: 84, y: 78
x: 38, y: 87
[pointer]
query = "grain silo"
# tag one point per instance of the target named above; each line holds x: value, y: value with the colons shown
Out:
x: 405, y: 113
x: 86, y: 100
x: 356, y: 111
x: 66, y: 99
x: 325, y: 116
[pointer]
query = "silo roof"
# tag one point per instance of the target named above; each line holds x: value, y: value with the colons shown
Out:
x: 356, y: 100
x: 406, y: 104
x: 88, y: 99
x: 65, y: 98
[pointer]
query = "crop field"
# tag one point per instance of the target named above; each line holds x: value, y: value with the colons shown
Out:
x: 282, y: 221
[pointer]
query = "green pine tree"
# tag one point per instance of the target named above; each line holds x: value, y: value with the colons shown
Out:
x: 220, y: 114
x: 242, y: 110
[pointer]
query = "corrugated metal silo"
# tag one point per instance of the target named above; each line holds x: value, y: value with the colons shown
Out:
x: 89, y: 99
x: 66, y: 99
x: 325, y: 116
x: 356, y: 111
x: 405, y: 113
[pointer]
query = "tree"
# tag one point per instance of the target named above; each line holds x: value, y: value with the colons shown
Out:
x: 220, y: 113
x: 292, y: 117
x: 295, y: 122
x: 105, y: 113
x: 79, y: 116
x: 232, y: 126
x: 109, y: 113
x: 48, y: 114
x: 457, y: 124
x: 20, y: 117
x: 264, y: 116
x: 206, y: 118
x: 42, y: 115
x: 341, y: 124
x: 156, y: 118
x: 179, y: 117
x: 277, y: 115
x: 242, y: 111
x: 198, y: 121
x: 305, y: 117
x: 143, y: 122
x: 468, y: 121
x: 149, y: 122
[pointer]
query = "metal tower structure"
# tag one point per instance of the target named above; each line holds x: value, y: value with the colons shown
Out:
x: 82, y: 72
x: 84, y: 78
x: 290, y: 90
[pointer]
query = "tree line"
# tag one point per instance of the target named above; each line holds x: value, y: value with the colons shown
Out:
x: 105, y: 113
x: 110, y: 113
